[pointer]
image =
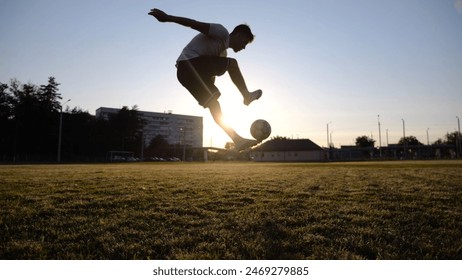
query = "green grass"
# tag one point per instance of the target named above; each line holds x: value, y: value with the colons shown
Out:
x: 391, y: 210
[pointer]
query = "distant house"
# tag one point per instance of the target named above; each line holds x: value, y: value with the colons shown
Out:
x: 288, y: 150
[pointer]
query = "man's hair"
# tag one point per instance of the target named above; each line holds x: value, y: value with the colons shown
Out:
x: 245, y: 30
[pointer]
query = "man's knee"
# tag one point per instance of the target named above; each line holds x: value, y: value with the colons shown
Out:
x: 232, y: 63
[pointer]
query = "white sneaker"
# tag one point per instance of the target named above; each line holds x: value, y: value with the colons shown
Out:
x: 252, y: 96
x: 245, y: 144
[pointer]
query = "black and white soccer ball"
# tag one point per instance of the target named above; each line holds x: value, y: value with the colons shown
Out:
x: 260, y: 130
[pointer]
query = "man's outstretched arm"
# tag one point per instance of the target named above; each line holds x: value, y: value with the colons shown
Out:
x: 196, y: 25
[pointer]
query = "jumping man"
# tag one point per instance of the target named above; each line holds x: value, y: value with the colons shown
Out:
x: 204, y: 58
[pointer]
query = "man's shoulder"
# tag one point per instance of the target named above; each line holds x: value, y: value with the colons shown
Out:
x: 218, y: 31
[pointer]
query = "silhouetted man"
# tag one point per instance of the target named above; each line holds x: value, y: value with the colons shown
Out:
x: 204, y: 58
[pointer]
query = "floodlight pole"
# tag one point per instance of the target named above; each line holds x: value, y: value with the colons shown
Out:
x: 60, y: 129
x: 331, y: 143
x: 458, y: 136
x: 404, y: 139
x: 387, y: 136
x: 380, y: 137
x: 328, y: 146
x: 328, y: 134
x: 428, y: 139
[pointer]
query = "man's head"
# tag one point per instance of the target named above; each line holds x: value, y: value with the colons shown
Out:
x: 240, y: 37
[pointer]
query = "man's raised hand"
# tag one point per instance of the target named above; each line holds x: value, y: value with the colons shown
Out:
x: 159, y: 15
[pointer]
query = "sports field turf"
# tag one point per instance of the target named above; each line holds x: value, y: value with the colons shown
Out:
x: 389, y: 210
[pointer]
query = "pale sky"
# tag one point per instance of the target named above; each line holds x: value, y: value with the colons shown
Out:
x: 342, y: 62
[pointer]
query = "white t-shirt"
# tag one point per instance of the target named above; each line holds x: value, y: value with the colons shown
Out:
x: 214, y: 43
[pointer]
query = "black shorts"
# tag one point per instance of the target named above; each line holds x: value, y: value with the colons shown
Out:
x: 198, y: 76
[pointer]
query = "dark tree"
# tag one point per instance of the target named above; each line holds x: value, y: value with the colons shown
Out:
x: 452, y: 138
x: 157, y: 147
x: 410, y: 141
x: 6, y: 103
x: 29, y: 120
x: 365, y: 142
x: 49, y: 96
x: 126, y: 125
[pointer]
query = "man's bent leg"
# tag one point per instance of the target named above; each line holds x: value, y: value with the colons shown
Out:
x: 236, y: 76
x: 238, y: 80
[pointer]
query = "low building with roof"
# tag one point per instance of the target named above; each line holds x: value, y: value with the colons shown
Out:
x: 288, y: 150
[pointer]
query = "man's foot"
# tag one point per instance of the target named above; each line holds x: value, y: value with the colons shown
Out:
x: 245, y: 144
x: 255, y: 95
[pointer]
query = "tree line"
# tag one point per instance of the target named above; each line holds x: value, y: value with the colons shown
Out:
x: 30, y: 127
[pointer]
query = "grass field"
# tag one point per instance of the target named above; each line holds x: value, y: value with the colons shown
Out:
x: 389, y: 210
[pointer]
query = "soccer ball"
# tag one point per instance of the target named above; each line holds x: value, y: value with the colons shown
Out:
x: 260, y: 130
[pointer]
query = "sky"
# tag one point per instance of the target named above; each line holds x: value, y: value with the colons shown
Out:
x: 329, y: 69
